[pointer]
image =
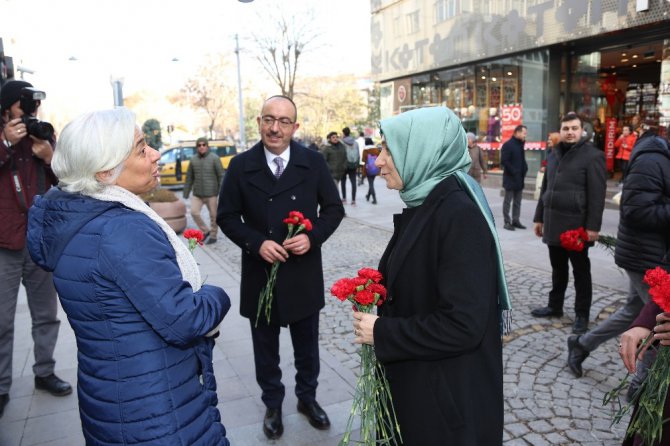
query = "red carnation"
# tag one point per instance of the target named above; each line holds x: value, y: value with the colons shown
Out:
x: 343, y: 288
x: 364, y: 297
x: 377, y: 289
x: 574, y: 239
x: 371, y: 274
x: 307, y: 224
x: 194, y: 236
x: 296, y: 214
x: 659, y: 287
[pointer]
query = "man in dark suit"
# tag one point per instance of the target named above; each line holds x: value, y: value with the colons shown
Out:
x: 261, y: 186
x: 514, y: 166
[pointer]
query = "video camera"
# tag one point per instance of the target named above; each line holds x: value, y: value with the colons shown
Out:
x: 30, y: 100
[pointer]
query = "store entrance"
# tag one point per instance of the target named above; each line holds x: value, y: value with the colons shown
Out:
x: 616, y: 88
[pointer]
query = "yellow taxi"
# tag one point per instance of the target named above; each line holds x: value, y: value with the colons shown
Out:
x: 175, y: 160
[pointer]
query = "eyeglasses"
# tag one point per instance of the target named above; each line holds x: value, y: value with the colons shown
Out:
x: 202, y: 144
x: 269, y: 121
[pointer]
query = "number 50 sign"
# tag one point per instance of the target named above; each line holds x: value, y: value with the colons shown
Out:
x: 512, y: 115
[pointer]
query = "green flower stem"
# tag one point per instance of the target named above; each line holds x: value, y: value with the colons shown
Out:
x: 267, y: 293
x: 372, y: 402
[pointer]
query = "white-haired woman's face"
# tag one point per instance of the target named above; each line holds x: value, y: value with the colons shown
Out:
x: 140, y: 171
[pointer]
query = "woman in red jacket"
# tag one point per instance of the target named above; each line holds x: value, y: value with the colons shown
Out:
x: 624, y: 146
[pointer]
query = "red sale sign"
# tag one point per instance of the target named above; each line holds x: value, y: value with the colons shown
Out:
x: 610, y: 138
x: 512, y: 115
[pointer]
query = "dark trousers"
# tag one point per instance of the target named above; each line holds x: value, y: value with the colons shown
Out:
x: 351, y: 173
x: 581, y: 270
x: 516, y: 207
x: 305, y: 339
x: 371, y: 187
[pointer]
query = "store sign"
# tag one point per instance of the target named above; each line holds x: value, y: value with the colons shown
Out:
x: 512, y: 115
x: 610, y: 138
x: 477, y: 35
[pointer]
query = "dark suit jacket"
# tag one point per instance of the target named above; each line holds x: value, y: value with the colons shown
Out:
x: 514, y: 164
x: 439, y: 335
x: 252, y: 207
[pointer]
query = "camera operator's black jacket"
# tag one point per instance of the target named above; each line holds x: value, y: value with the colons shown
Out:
x: 36, y: 178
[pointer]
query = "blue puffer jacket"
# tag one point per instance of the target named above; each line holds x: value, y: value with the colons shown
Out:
x: 145, y: 368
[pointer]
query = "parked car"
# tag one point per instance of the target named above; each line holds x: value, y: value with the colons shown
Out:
x: 175, y: 160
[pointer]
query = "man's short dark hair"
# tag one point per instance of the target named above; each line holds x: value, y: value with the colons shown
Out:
x: 519, y: 128
x: 346, y: 131
x: 331, y: 134
x: 288, y: 99
x: 571, y: 116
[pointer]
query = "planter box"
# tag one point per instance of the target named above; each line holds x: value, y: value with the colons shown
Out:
x: 174, y: 214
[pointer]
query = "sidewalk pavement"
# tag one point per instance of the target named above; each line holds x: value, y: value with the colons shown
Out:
x: 544, y: 403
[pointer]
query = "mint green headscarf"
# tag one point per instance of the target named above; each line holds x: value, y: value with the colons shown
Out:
x: 427, y: 146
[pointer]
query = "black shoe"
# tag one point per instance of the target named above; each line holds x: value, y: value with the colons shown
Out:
x: 581, y: 325
x: 509, y: 227
x: 367, y: 197
x: 4, y: 399
x: 576, y: 355
x: 53, y: 384
x: 517, y: 224
x: 315, y: 414
x: 374, y: 200
x: 210, y: 241
x: 546, y: 312
x: 273, y: 428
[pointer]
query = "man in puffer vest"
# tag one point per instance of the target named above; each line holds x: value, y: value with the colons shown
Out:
x: 204, y: 177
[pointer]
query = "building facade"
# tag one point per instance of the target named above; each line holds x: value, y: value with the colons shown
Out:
x: 500, y: 63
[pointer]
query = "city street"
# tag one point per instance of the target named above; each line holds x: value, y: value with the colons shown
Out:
x: 544, y: 403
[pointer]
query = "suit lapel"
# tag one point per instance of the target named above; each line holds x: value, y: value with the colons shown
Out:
x: 257, y: 170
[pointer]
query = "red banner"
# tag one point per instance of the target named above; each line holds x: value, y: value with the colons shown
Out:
x: 512, y: 115
x: 610, y: 138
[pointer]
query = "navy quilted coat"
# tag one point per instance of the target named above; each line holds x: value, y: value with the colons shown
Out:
x: 145, y: 368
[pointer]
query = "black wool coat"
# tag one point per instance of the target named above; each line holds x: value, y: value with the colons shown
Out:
x: 439, y: 334
x: 643, y: 239
x: 573, y: 191
x: 513, y: 161
x: 252, y: 207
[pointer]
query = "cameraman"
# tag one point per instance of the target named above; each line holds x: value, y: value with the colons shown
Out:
x: 24, y: 172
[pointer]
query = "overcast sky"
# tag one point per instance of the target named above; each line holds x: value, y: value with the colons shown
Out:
x: 137, y: 40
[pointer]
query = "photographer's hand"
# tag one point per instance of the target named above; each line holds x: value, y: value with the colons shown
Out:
x: 42, y: 149
x: 14, y: 131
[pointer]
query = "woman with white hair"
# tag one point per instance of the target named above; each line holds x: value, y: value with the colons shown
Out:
x: 131, y: 290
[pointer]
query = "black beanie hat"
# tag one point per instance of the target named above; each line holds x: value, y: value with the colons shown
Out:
x: 11, y: 92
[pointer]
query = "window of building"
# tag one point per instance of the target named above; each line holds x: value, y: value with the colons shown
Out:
x: 413, y: 22
x: 446, y: 9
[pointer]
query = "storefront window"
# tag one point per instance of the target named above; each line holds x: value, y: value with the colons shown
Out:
x: 613, y: 88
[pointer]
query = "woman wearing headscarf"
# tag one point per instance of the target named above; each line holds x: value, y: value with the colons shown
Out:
x: 131, y: 289
x: 438, y: 333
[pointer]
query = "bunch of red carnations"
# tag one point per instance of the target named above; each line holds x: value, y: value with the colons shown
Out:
x: 372, y: 398
x: 296, y: 223
x: 647, y: 420
x: 576, y: 239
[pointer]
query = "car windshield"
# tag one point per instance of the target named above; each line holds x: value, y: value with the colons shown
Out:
x: 226, y: 150
x: 169, y: 156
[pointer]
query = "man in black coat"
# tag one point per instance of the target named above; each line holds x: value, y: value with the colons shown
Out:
x: 515, y: 167
x: 261, y: 187
x: 572, y: 196
x: 642, y: 239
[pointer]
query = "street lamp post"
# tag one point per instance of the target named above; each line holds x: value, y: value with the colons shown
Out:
x: 243, y: 136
